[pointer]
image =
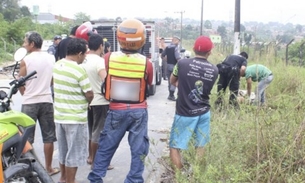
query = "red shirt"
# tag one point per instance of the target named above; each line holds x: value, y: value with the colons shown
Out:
x: 149, y: 74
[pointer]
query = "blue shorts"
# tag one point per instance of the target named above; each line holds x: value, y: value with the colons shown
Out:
x: 185, y: 128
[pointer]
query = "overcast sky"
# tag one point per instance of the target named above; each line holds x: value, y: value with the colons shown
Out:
x: 283, y: 11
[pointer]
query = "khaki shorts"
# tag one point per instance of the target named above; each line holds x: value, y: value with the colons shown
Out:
x: 72, y: 144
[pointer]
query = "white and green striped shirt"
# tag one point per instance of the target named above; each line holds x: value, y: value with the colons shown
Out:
x: 70, y: 85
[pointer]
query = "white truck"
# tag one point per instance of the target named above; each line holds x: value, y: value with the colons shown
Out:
x: 107, y: 29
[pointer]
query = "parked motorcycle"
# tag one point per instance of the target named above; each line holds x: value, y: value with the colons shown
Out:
x: 18, y: 161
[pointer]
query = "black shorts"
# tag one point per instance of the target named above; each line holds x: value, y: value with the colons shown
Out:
x: 96, y: 121
x: 44, y: 113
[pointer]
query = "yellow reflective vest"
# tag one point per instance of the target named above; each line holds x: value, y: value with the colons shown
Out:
x: 125, y: 81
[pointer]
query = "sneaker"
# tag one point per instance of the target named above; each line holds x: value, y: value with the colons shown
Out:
x: 172, y: 98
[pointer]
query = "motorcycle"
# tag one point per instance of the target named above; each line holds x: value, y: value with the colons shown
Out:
x: 18, y: 161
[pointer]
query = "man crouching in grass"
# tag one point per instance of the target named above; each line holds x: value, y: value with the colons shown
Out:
x: 196, y: 77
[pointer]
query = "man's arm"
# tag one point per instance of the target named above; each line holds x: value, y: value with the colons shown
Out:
x: 174, y: 80
x: 52, y: 83
x: 249, y: 86
x: 174, y: 76
x: 102, y: 73
x: 89, y: 96
x: 242, y: 70
x: 22, y: 72
x: 163, y: 54
x: 177, y: 53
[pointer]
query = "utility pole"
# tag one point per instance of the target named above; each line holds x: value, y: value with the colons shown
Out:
x: 181, y: 13
x: 201, y: 20
x: 237, y: 28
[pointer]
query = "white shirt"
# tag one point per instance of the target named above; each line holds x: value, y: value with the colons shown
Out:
x: 93, y: 64
x: 37, y: 90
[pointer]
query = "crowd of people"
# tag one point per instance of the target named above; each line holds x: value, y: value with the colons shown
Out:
x: 87, y: 97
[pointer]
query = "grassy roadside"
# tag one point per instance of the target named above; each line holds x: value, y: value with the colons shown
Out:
x: 254, y: 144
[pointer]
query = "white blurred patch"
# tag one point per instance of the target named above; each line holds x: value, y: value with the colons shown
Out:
x: 242, y: 94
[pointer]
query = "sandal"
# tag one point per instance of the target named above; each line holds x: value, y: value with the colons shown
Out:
x: 110, y: 167
x: 55, y: 171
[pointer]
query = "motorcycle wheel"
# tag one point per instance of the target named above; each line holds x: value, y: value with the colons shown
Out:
x: 42, y: 174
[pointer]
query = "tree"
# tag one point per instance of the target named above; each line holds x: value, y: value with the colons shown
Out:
x: 208, y: 24
x: 81, y: 17
x: 3, y: 26
x: 18, y: 28
x: 25, y: 12
x: 222, y: 31
x: 299, y: 28
x: 247, y: 38
x: 242, y: 28
x: 285, y: 38
x: 11, y: 10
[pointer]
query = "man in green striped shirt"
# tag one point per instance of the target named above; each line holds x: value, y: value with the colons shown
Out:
x: 72, y: 93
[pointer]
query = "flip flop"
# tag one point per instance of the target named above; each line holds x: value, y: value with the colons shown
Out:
x: 110, y: 167
x: 55, y: 171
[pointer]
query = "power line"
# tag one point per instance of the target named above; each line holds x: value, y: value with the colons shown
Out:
x: 181, y: 13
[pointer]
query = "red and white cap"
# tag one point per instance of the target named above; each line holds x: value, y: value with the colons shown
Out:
x: 84, y: 30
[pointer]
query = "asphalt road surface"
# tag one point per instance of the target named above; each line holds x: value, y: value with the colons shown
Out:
x: 161, y: 112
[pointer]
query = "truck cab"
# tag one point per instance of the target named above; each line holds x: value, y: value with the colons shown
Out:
x: 107, y: 29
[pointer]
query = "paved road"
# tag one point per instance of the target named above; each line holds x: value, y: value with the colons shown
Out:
x: 161, y: 113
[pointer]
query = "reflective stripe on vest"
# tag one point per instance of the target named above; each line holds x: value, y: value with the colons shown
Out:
x: 125, y: 81
x: 128, y: 66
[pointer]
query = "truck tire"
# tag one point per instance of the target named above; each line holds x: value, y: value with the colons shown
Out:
x: 152, y: 90
x: 159, y: 76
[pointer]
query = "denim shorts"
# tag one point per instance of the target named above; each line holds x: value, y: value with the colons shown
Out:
x: 72, y: 144
x: 185, y: 129
x: 96, y: 121
x: 44, y: 113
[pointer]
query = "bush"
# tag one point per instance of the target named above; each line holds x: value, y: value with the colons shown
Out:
x: 256, y: 144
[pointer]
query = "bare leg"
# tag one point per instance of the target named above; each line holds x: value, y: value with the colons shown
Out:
x: 90, y: 157
x: 62, y: 173
x: 94, y: 147
x: 48, y: 154
x: 175, y: 158
x: 71, y: 173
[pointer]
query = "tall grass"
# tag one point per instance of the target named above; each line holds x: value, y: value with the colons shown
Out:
x: 256, y: 145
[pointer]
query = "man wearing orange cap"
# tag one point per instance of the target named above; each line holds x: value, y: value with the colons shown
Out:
x: 196, y: 77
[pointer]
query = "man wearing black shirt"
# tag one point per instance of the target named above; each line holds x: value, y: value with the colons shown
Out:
x: 230, y: 71
x: 172, y: 55
x: 62, y: 46
x: 196, y: 77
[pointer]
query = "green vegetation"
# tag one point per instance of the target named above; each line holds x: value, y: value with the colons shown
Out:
x: 15, y: 21
x: 255, y: 144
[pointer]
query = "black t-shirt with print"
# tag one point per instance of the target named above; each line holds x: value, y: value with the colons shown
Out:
x: 235, y: 60
x: 196, y: 77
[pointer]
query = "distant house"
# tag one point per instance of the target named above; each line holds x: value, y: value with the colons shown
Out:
x: 215, y: 38
x: 44, y: 18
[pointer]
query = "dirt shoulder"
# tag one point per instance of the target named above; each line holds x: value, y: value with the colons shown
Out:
x: 6, y: 73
